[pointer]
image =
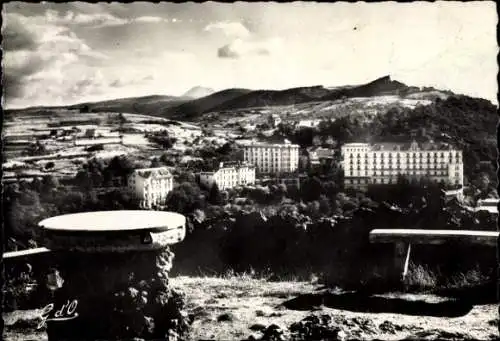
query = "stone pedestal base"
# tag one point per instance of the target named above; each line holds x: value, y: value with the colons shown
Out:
x: 119, y: 296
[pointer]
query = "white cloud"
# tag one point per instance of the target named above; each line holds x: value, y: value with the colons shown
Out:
x: 230, y: 29
x: 240, y: 48
x: 149, y: 19
x: 95, y: 20
x: 86, y: 19
x: 58, y: 66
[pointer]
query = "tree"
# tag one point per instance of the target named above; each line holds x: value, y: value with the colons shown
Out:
x: 155, y: 163
x: 184, y: 198
x: 324, y: 205
x: 36, y: 184
x: 120, y: 166
x: 50, y: 182
x: 83, y: 179
x: 214, y: 196
x: 311, y: 189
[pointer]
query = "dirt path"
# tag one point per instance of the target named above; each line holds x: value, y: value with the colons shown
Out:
x: 235, y: 308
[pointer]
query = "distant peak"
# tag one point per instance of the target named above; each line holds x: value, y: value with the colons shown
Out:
x: 198, y: 91
x: 384, y: 79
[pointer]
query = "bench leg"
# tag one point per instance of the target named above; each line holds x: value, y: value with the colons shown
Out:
x: 407, y: 262
x: 401, y: 259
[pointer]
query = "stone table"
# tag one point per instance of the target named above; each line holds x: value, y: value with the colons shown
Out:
x: 110, y: 280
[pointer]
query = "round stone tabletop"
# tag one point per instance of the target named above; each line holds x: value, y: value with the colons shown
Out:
x: 113, y: 231
x: 108, y: 221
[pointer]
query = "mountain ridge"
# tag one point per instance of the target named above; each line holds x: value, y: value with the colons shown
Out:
x: 187, y: 108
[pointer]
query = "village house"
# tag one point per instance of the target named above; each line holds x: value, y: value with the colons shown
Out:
x: 320, y: 157
x: 274, y: 120
x: 489, y: 205
x: 229, y: 175
x: 151, y: 185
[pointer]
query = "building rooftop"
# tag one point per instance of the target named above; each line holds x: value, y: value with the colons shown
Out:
x: 155, y: 172
x: 264, y: 144
x: 405, y: 146
x: 324, y: 153
x: 228, y: 164
x: 409, y: 146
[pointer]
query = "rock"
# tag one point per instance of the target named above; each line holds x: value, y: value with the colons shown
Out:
x: 493, y: 322
x: 254, y: 337
x: 337, y: 327
x: 258, y: 327
x: 341, y: 335
x: 273, y: 333
x: 387, y: 327
x: 132, y: 292
x: 226, y: 317
x: 260, y: 313
x: 26, y: 324
x: 275, y: 314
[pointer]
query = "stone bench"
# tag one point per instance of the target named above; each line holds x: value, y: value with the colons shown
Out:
x: 403, y: 239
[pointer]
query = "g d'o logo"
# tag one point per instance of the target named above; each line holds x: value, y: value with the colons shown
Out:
x: 65, y: 313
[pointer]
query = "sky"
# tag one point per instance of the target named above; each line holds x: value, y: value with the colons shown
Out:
x: 65, y: 53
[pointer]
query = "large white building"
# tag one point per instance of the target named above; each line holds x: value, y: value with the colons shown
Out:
x: 272, y: 158
x: 229, y: 175
x: 151, y: 185
x: 383, y: 163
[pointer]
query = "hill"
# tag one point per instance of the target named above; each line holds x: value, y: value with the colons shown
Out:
x: 146, y: 105
x: 382, y: 92
x: 194, y: 108
x: 266, y: 98
x: 381, y: 87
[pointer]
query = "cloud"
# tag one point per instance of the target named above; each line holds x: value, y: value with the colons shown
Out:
x: 87, y: 19
x: 241, y: 48
x: 230, y: 29
x: 71, y: 18
x: 45, y: 62
x: 149, y: 19
x: 15, y: 36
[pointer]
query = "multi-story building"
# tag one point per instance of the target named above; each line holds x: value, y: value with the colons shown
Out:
x: 383, y: 163
x: 320, y: 156
x: 489, y: 205
x: 151, y: 185
x: 229, y: 175
x: 272, y: 158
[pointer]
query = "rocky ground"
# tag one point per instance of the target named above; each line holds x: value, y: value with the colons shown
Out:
x: 239, y: 308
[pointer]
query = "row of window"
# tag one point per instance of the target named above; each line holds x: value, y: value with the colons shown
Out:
x: 378, y: 181
x: 259, y: 158
x: 441, y: 166
x: 407, y: 155
x: 366, y: 159
x: 404, y: 164
x: 376, y: 173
